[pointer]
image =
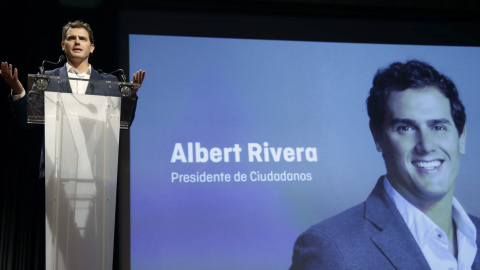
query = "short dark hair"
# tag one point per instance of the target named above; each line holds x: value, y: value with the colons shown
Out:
x: 411, y: 74
x: 78, y: 24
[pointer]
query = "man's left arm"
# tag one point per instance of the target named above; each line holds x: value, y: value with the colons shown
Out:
x: 137, y: 78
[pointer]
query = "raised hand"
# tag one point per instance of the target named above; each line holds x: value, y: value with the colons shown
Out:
x: 10, y: 75
x: 137, y: 78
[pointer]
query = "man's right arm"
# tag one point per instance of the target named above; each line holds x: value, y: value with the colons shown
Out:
x: 18, y: 99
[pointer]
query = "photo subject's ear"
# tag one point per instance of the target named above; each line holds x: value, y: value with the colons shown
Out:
x: 379, y: 148
x: 462, y: 141
x: 375, y: 137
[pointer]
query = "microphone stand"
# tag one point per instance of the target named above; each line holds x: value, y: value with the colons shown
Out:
x: 42, y: 81
x: 125, y: 87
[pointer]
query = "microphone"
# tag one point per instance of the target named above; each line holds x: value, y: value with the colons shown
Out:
x: 122, y: 75
x: 41, y: 80
x: 124, y: 87
x: 61, y: 58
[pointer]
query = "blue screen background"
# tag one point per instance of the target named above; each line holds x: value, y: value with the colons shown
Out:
x: 221, y: 92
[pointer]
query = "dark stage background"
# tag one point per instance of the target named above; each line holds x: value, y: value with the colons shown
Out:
x: 31, y: 33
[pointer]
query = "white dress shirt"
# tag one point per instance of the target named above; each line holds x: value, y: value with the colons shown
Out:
x: 432, y: 240
x: 78, y: 87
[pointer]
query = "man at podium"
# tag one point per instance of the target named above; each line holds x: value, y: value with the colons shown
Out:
x: 77, y: 44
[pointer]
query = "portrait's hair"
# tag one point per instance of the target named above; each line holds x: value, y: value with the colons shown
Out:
x: 412, y: 74
x: 78, y: 24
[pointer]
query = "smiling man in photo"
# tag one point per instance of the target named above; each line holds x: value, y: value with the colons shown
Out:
x: 411, y: 220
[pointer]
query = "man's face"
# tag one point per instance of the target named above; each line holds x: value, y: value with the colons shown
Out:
x: 420, y: 144
x: 77, y: 45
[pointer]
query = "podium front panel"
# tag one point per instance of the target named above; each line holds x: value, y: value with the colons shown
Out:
x: 81, y: 157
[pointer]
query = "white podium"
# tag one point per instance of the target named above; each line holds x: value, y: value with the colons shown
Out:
x: 81, y: 163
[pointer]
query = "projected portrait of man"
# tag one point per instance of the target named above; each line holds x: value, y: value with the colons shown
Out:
x: 411, y: 219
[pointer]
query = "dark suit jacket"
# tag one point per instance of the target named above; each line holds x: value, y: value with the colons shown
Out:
x: 371, y: 235
x: 92, y: 89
